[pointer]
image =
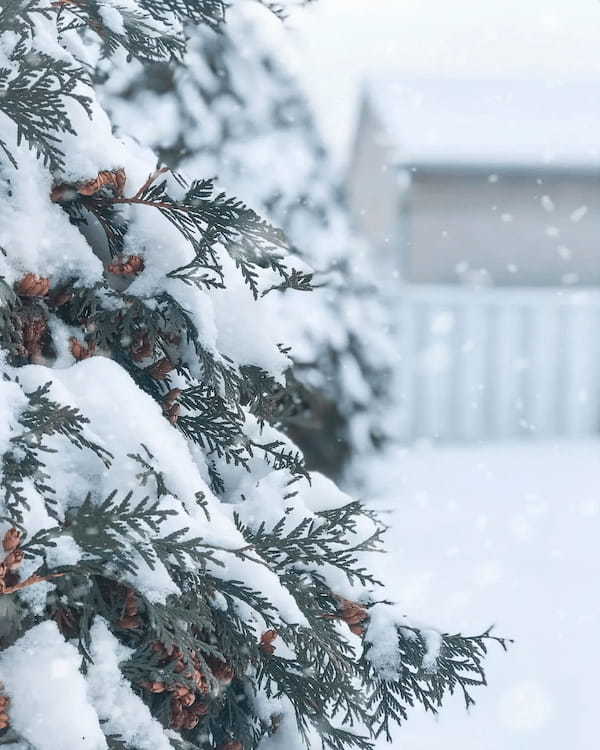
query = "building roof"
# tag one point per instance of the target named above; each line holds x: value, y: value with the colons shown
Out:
x: 480, y: 123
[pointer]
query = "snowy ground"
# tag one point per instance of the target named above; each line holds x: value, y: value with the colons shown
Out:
x: 506, y: 535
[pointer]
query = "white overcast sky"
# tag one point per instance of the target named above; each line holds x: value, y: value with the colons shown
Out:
x: 342, y: 41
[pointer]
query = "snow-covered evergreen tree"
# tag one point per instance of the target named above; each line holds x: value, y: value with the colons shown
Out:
x: 171, y: 575
x: 227, y: 111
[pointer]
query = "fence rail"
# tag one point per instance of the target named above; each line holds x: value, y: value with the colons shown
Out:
x: 496, y: 363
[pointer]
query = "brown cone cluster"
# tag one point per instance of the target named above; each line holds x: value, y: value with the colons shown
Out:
x: 4, y: 704
x: 9, y: 567
x: 171, y: 408
x: 188, y: 705
x: 161, y: 368
x: 80, y: 350
x: 61, y: 297
x: 133, y: 264
x: 130, y: 619
x: 354, y: 615
x: 220, y: 670
x: 142, y: 347
x: 32, y: 316
x: 33, y: 331
x: 32, y: 285
x: 113, y: 180
x: 266, y: 642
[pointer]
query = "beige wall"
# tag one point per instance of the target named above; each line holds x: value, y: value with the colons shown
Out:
x: 520, y: 228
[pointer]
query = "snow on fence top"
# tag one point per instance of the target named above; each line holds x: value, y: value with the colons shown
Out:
x: 469, y: 122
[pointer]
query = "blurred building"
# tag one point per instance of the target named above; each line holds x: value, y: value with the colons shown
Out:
x: 482, y: 201
x: 481, y: 181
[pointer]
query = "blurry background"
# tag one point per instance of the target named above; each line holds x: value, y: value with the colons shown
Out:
x: 467, y: 139
x: 467, y: 136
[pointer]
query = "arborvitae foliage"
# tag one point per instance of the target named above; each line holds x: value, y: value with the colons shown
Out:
x: 172, y: 576
x: 227, y: 111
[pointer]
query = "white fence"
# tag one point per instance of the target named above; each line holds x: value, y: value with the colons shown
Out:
x: 498, y: 362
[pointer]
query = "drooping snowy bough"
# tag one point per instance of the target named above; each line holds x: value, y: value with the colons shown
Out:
x: 234, y: 105
x: 171, y: 575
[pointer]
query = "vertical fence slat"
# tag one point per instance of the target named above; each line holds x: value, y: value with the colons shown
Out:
x: 498, y: 363
x: 544, y: 346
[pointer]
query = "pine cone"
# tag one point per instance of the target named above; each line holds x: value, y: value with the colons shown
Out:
x: 142, y: 348
x: 62, y: 298
x: 14, y: 560
x: 233, y: 745
x: 357, y: 629
x: 11, y: 539
x: 179, y: 690
x: 266, y: 641
x: 32, y: 285
x: 113, y: 180
x: 177, y: 720
x: 4, y: 703
x: 34, y: 330
x: 171, y: 410
x: 133, y: 264
x: 172, y: 413
x: 161, y: 369
x: 221, y: 671
x: 172, y: 396
x: 352, y: 613
x: 199, y: 709
x: 190, y: 721
x: 160, y: 648
x: 131, y: 603
x: 188, y: 699
x: 155, y: 687
x: 129, y: 623
x: 200, y: 681
x: 81, y: 351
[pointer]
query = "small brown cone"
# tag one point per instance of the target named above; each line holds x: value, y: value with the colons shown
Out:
x: 199, y: 709
x: 127, y: 266
x: 34, y: 330
x: 142, y: 348
x: 131, y: 603
x: 11, y: 539
x: 129, y: 623
x: 161, y: 368
x: 113, y: 180
x: 81, y: 351
x: 352, y: 613
x: 190, y: 721
x: 266, y: 641
x: 14, y: 560
x: 172, y: 413
x: 155, y: 687
x: 188, y: 699
x: 62, y: 298
x: 32, y: 285
x: 172, y: 396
